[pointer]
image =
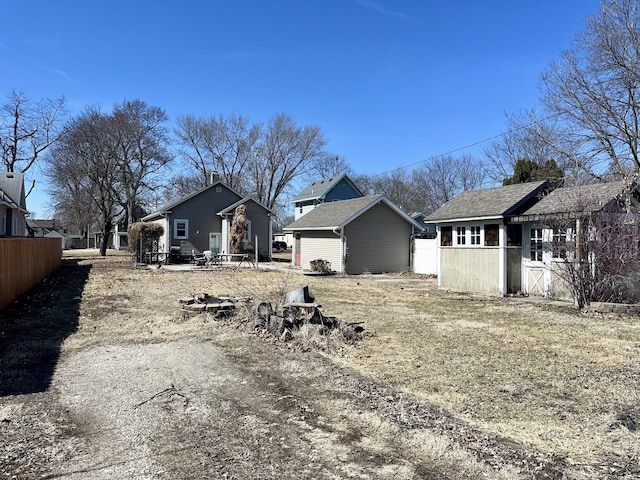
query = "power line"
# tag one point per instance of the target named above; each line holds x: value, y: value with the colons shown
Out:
x: 450, y: 152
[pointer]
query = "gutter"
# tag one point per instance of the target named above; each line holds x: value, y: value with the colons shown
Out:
x: 343, y: 253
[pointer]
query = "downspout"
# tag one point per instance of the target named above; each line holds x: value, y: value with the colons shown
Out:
x: 343, y: 248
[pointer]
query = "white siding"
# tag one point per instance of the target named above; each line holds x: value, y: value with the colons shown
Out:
x: 320, y: 245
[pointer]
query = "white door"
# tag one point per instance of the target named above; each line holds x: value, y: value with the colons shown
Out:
x: 215, y: 241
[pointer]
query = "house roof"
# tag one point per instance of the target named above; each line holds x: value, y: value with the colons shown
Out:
x: 167, y: 207
x: 574, y: 200
x: 12, y: 190
x: 318, y: 189
x: 242, y: 201
x: 488, y: 203
x: 332, y: 215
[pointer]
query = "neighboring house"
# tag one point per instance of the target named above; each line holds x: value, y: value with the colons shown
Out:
x: 40, y: 227
x: 479, y: 248
x: 13, y: 206
x: 550, y: 230
x: 338, y: 187
x: 202, y: 220
x: 366, y: 234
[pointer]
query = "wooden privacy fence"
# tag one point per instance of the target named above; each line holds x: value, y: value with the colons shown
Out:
x: 24, y: 263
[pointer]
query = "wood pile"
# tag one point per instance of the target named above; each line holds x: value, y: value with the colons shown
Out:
x: 299, y: 309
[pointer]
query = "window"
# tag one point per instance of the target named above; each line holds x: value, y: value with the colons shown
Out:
x: 492, y: 235
x: 461, y: 235
x: 536, y: 244
x: 181, y: 229
x: 3, y: 225
x: 559, y: 243
x: 562, y: 241
x: 475, y: 235
x: 446, y: 236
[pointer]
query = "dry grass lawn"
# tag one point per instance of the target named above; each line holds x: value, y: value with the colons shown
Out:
x: 547, y: 378
x: 540, y: 378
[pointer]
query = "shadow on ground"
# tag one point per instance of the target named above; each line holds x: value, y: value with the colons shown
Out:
x: 33, y: 328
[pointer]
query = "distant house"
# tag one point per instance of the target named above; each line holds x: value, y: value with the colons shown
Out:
x: 13, y: 206
x: 549, y: 230
x: 366, y: 234
x: 479, y: 247
x: 40, y: 227
x: 202, y: 220
x: 338, y: 187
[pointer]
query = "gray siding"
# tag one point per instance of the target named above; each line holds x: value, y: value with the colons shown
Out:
x: 378, y: 241
x: 201, y: 212
x: 320, y: 245
x: 470, y: 269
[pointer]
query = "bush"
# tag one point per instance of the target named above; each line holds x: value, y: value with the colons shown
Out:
x: 143, y: 237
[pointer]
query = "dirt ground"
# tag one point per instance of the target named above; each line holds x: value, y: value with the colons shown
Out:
x: 102, y: 376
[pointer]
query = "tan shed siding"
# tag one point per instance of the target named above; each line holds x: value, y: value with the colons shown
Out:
x: 470, y: 269
x: 323, y: 245
x: 378, y: 241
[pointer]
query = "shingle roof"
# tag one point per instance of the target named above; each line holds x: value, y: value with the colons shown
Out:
x: 319, y: 188
x: 167, y: 207
x: 585, y: 198
x: 330, y: 215
x: 488, y: 202
x: 12, y: 190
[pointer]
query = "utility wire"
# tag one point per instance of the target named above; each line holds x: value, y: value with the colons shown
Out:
x: 433, y: 157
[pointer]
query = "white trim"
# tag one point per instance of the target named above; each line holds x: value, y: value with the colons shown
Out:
x: 175, y: 229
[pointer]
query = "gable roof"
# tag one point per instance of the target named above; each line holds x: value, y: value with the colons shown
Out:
x: 333, y: 215
x: 12, y: 190
x: 172, y: 204
x: 242, y: 201
x: 495, y: 202
x: 318, y: 189
x: 575, y: 200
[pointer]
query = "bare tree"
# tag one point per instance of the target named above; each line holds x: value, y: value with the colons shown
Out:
x: 110, y: 158
x: 593, y: 92
x: 140, y: 137
x: 442, y: 178
x: 27, y: 129
x: 533, y: 139
x: 285, y: 152
x: 328, y: 165
x: 224, y: 144
x: 89, y: 151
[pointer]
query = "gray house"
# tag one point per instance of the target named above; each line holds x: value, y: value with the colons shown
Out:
x: 366, y: 234
x: 13, y: 205
x: 202, y: 220
x: 338, y: 187
x: 479, y: 247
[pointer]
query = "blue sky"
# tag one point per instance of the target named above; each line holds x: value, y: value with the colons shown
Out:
x: 390, y: 83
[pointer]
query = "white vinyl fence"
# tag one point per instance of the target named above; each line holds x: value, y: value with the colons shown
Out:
x: 424, y: 256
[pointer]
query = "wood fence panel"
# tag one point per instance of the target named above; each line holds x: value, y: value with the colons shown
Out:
x: 24, y: 263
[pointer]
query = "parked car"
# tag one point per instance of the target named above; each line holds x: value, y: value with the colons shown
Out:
x: 278, y: 245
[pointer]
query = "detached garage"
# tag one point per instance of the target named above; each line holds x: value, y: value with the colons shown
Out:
x: 368, y: 234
